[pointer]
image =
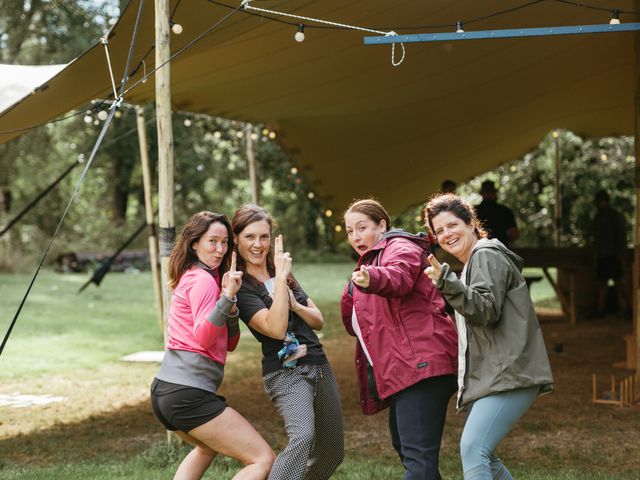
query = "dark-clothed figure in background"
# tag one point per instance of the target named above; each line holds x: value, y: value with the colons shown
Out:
x: 497, y: 219
x: 448, y: 186
x: 502, y: 360
x: 406, y: 343
x: 610, y: 244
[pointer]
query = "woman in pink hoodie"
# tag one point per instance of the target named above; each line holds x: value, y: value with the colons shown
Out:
x: 203, y: 326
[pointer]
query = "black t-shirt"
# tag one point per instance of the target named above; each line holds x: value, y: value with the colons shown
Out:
x: 253, y: 297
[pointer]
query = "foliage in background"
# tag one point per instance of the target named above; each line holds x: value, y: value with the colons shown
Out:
x: 211, y: 170
x: 527, y: 185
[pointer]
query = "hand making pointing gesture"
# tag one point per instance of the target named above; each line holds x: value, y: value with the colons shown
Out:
x: 434, y: 271
x: 232, y: 280
x: 281, y: 260
x: 361, y: 277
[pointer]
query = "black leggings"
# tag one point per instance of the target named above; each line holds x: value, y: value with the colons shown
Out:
x: 416, y: 420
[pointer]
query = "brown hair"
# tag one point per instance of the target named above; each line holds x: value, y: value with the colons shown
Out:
x: 450, y: 202
x: 371, y: 208
x: 245, y: 216
x: 183, y: 255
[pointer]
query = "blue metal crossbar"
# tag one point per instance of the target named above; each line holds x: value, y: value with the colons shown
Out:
x: 509, y: 33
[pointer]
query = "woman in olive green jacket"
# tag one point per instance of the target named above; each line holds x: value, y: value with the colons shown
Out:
x: 503, y: 364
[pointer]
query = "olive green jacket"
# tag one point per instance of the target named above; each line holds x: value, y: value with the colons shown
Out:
x: 504, y: 345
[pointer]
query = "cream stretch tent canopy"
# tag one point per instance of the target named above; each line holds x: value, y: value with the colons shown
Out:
x: 355, y: 125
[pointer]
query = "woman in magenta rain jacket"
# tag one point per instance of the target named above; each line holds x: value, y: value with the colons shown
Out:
x: 406, y: 348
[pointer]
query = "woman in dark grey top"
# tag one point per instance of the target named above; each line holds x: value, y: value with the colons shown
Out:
x: 296, y: 373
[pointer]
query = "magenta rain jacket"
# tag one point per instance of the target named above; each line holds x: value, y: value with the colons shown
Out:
x: 402, y: 319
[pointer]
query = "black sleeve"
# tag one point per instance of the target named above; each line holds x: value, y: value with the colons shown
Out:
x: 249, y: 303
x: 301, y: 295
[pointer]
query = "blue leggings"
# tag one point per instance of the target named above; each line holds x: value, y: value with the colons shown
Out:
x: 490, y: 420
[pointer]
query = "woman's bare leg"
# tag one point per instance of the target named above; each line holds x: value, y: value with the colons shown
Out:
x: 233, y: 436
x: 196, y: 462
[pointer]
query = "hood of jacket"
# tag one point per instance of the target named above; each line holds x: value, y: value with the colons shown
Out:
x: 496, y: 244
x: 421, y: 239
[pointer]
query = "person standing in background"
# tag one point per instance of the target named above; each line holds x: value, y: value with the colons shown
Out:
x: 497, y: 219
x: 610, y: 244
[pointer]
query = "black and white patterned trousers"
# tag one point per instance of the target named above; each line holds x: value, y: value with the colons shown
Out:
x: 308, y: 399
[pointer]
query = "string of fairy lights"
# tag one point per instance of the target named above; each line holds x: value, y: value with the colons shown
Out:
x: 302, y: 24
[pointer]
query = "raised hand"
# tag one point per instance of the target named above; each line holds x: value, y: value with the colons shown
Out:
x: 361, y: 277
x: 281, y: 260
x: 232, y: 280
x: 435, y: 270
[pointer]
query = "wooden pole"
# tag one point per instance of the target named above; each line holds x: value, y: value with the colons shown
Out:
x: 148, y: 207
x: 251, y: 160
x: 558, y: 197
x: 166, y: 221
x: 636, y: 240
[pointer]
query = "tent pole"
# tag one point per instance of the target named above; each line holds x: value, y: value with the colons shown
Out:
x: 251, y: 160
x: 636, y: 237
x: 165, y: 148
x: 558, y: 194
x: 148, y: 206
x: 166, y: 221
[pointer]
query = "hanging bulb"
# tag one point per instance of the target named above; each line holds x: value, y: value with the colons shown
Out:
x: 118, y: 114
x: 272, y: 135
x: 187, y: 122
x: 299, y: 36
x: 176, y: 28
x: 459, y: 28
x: 102, y: 115
x: 615, y: 18
x: 88, y: 118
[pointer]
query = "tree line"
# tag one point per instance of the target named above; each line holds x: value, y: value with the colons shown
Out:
x: 211, y: 169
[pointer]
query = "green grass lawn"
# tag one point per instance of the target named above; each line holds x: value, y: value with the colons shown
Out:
x: 64, y: 335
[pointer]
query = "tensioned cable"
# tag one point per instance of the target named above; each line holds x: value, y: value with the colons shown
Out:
x: 107, y: 122
x: 142, y: 80
x: 31, y: 127
x: 246, y: 5
x: 274, y: 19
x: 62, y: 176
x: 39, y: 197
x: 595, y: 7
x: 183, y: 49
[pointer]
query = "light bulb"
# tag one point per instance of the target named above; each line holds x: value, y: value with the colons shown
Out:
x: 328, y: 213
x: 294, y: 170
x: 118, y: 114
x: 88, y: 118
x: 338, y: 228
x: 459, y: 28
x: 272, y: 135
x: 265, y: 131
x: 187, y: 122
x: 176, y: 28
x: 299, y: 36
x: 615, y: 18
x: 102, y: 115
x: 311, y: 195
